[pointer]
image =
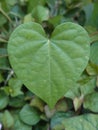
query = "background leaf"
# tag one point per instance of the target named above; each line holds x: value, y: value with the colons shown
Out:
x: 84, y: 122
x: 29, y: 115
x: 91, y: 102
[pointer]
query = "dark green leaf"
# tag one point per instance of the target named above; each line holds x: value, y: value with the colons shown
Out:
x: 29, y: 115
x: 59, y: 117
x: 4, y: 99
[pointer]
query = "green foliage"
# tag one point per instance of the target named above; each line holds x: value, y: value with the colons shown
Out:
x: 29, y: 115
x: 54, y: 61
x: 69, y: 98
x: 85, y: 122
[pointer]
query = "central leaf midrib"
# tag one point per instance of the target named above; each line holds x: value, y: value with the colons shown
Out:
x: 49, y: 65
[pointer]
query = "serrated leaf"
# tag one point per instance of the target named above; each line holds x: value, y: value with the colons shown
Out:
x: 91, y: 102
x: 29, y: 115
x: 49, y: 67
x: 84, y: 122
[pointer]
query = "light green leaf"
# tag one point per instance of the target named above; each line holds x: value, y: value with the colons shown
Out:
x: 84, y: 122
x: 15, y: 87
x: 91, y: 102
x: 7, y: 119
x: 33, y: 3
x: 49, y: 67
x: 38, y: 14
x: 29, y: 115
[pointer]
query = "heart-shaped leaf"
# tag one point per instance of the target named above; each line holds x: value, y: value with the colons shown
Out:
x: 49, y: 67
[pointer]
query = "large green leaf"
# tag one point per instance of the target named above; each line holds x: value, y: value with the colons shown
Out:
x: 49, y: 67
x: 84, y: 122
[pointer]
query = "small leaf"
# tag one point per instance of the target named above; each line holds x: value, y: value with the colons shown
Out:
x: 87, y: 84
x: 53, y: 65
x: 19, y: 125
x: 4, y: 99
x: 33, y: 3
x: 15, y: 87
x: 59, y: 117
x: 29, y: 115
x: 38, y: 103
x: 17, y: 101
x: 91, y: 102
x: 92, y: 69
x: 61, y: 105
x: 8, y: 120
x: 78, y: 102
x: 38, y: 14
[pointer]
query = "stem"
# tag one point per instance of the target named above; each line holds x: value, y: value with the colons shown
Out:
x: 2, y: 11
x: 3, y: 40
